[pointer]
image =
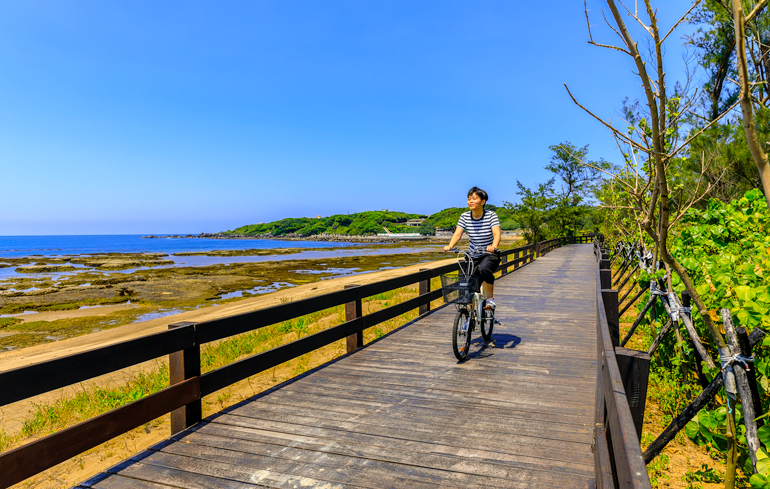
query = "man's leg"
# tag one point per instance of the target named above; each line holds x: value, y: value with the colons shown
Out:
x: 486, y: 269
x: 489, y: 289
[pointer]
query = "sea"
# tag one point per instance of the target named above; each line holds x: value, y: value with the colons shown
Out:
x: 54, y: 246
x: 21, y: 246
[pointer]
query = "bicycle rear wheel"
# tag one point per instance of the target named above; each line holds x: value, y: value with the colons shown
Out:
x: 487, y: 323
x: 461, y: 335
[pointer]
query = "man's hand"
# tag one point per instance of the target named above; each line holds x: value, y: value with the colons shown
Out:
x: 447, y: 248
x: 491, y: 249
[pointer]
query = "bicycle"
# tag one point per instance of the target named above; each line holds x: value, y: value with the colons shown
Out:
x: 464, y: 291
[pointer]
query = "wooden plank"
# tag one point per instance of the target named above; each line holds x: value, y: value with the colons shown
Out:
x: 553, y: 449
x: 327, y: 468
x: 29, y: 381
x: 30, y: 459
x: 335, y: 468
x: 181, y: 478
x: 120, y: 482
x: 423, y: 453
x: 304, y: 448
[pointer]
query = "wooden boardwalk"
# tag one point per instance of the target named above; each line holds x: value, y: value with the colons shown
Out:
x: 403, y: 413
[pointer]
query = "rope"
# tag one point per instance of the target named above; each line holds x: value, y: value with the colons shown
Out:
x: 727, y: 360
x: 737, y: 358
x: 655, y: 290
x: 676, y: 308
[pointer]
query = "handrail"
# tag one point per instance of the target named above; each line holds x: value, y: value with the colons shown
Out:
x: 189, y: 387
x: 617, y: 453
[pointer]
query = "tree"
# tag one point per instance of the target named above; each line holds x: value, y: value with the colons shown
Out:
x: 652, y: 146
x: 577, y: 180
x: 534, y: 211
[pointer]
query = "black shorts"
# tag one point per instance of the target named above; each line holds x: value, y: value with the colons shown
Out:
x: 486, y: 265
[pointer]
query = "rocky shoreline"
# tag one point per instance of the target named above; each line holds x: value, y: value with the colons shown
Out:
x: 337, y: 238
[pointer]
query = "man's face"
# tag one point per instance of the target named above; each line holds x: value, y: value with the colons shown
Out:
x: 475, y: 202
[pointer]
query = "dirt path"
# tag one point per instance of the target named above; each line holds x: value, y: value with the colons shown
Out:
x: 12, y: 414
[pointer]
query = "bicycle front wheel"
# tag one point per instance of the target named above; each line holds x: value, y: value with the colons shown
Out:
x: 487, y: 324
x: 461, y: 334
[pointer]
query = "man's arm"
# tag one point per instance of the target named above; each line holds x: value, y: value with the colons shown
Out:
x: 496, y: 234
x: 455, y: 238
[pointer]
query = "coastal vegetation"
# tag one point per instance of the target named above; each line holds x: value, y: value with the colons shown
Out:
x: 368, y: 223
x: 358, y: 224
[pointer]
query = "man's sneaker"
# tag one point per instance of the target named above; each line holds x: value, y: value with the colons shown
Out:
x: 491, y: 304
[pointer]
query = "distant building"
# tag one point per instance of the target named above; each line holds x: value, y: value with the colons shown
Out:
x: 415, y: 223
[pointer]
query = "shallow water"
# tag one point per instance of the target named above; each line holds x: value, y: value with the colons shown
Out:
x: 202, y: 261
x: 21, y: 246
x: 258, y: 290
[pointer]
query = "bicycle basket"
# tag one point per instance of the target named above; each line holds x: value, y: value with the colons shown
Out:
x: 456, y: 290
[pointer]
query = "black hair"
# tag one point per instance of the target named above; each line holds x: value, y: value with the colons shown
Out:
x: 482, y: 194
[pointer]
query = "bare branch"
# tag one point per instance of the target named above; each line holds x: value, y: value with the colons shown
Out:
x: 756, y: 10
x: 588, y: 23
x: 636, y: 17
x: 609, y: 126
x: 608, y: 46
x: 612, y: 27
x: 679, y: 21
x: 701, y: 130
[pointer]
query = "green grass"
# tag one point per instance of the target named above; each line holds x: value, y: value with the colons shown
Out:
x: 5, y: 322
x: 64, y: 306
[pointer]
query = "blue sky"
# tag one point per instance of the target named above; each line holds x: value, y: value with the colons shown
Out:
x: 172, y: 116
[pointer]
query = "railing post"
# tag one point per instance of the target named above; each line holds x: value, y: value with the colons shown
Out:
x: 537, y: 250
x: 610, y: 298
x: 424, y: 289
x: 745, y: 344
x: 516, y: 257
x: 353, y: 311
x: 634, y: 369
x: 183, y: 365
x: 503, y: 261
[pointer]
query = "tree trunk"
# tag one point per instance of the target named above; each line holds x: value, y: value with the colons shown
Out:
x: 757, y: 154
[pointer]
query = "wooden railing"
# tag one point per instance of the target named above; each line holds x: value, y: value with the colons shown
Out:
x: 182, y: 343
x: 617, y: 453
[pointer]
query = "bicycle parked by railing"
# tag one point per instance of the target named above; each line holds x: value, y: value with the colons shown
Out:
x: 463, y: 289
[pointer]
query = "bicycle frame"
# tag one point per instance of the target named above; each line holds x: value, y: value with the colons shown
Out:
x: 468, y: 269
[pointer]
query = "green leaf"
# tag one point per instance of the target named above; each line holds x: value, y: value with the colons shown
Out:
x: 758, y: 481
x: 763, y: 434
x: 708, y: 420
x: 702, y: 289
x: 763, y: 462
x: 744, y: 292
x: 691, y: 430
x: 720, y: 442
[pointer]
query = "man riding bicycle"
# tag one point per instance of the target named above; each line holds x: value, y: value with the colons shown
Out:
x: 483, y: 228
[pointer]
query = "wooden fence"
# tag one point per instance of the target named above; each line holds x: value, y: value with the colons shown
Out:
x: 182, y: 343
x: 617, y: 452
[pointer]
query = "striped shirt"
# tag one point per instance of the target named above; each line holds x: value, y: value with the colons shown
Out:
x: 479, y: 231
